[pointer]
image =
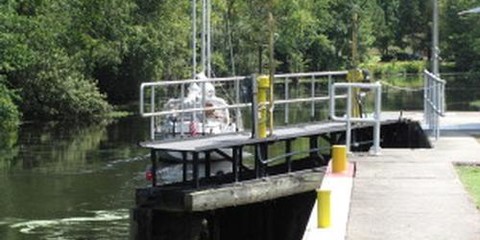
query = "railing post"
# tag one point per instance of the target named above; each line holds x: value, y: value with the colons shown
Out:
x: 349, y: 115
x: 152, y: 109
x: 331, y: 94
x: 348, y: 119
x: 434, y: 102
x: 237, y: 99
x: 312, y: 113
x: 254, y: 107
x: 182, y: 107
x: 378, y: 109
x: 425, y: 102
x: 287, y: 97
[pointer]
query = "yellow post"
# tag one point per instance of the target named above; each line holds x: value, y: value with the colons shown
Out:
x: 339, y: 158
x: 323, y: 208
x: 263, y: 89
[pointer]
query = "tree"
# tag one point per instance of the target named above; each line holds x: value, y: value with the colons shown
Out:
x: 50, y: 82
x: 461, y: 42
x: 9, y: 116
x: 386, y: 23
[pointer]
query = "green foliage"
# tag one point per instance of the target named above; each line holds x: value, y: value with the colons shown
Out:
x: 60, y: 54
x: 475, y: 104
x: 52, y: 84
x: 9, y: 116
x: 461, y: 44
x: 470, y: 176
x: 395, y: 67
x: 59, y: 91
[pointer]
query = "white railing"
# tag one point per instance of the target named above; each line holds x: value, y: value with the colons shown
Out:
x: 156, y: 111
x: 434, y: 102
x: 313, y: 79
x: 348, y: 119
x: 151, y: 102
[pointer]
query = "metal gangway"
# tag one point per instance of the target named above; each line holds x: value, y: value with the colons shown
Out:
x: 319, y: 96
x: 325, y: 95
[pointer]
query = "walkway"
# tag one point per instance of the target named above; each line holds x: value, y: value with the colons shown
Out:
x: 416, y: 194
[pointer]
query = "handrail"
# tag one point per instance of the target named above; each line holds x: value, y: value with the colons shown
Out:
x: 154, y: 110
x: 348, y: 117
x: 434, y: 101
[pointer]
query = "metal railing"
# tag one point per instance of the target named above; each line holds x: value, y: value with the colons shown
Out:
x: 434, y: 102
x: 156, y: 111
x: 312, y: 78
x: 348, y: 119
x: 151, y: 102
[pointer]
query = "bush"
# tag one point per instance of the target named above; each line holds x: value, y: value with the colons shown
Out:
x: 9, y: 116
x: 397, y: 67
x: 59, y: 91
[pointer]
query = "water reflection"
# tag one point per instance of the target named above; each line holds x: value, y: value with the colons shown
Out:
x: 71, y: 182
x: 8, y: 148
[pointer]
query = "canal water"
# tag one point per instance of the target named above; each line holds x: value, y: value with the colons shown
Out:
x: 71, y: 182
x: 77, y: 182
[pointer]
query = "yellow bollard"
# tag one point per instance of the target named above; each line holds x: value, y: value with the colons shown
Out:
x: 339, y: 158
x: 323, y: 208
x: 263, y: 89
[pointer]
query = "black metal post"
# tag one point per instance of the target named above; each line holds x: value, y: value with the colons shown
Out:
x: 184, y: 167
x: 196, y: 179
x: 153, y: 158
x: 235, y: 163
x: 257, y: 160
x: 240, y: 161
x: 263, y: 163
x: 288, y: 150
x: 207, y: 164
x: 313, y: 145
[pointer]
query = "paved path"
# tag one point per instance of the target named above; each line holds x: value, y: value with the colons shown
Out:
x: 415, y: 194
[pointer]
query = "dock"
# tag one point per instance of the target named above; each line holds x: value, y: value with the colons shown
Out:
x: 246, y: 185
x: 394, y: 179
x: 410, y: 193
x: 283, y: 193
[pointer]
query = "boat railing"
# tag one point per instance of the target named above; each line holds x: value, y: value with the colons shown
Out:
x: 434, y: 102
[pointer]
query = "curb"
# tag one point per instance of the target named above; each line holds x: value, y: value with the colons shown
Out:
x: 340, y: 185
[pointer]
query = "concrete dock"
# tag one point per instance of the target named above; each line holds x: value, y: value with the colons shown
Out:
x: 416, y: 193
x: 409, y: 193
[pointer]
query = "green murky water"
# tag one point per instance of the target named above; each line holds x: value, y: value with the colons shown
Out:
x: 71, y: 182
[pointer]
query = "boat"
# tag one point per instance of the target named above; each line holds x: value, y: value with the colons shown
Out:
x: 199, y: 112
x: 214, y: 119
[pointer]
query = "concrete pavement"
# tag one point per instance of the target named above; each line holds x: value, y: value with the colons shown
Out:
x: 415, y: 193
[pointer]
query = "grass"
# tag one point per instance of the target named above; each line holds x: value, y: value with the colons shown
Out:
x: 475, y: 104
x: 470, y: 177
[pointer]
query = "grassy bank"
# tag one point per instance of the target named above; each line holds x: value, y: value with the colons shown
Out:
x: 470, y: 177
